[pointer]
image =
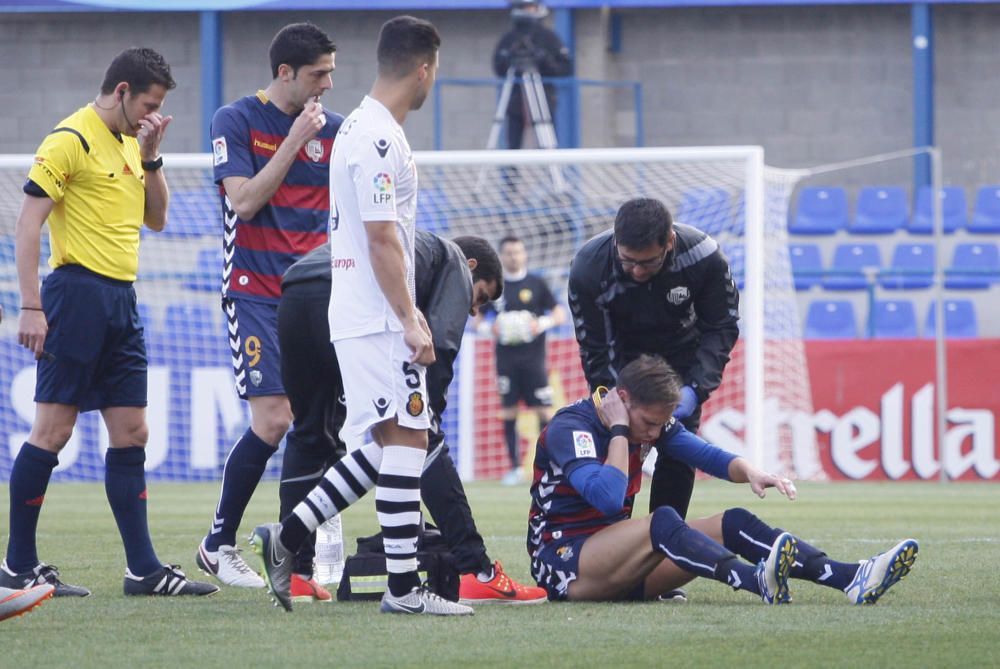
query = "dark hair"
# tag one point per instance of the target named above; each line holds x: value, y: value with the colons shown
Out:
x: 405, y: 43
x: 509, y: 239
x: 642, y: 222
x: 487, y: 262
x: 651, y: 381
x: 140, y: 68
x: 298, y: 44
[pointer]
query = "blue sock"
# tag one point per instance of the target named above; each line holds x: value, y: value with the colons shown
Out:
x: 29, y: 479
x: 697, y: 553
x: 125, y: 485
x: 750, y: 537
x: 244, y: 468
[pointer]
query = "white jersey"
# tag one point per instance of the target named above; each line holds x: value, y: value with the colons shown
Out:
x: 372, y: 178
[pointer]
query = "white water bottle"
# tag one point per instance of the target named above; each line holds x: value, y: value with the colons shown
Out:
x: 330, y: 551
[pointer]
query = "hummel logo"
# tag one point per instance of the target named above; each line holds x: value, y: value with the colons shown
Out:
x: 382, y: 146
x: 381, y: 405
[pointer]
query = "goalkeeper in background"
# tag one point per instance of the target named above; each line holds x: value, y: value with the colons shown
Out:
x: 650, y: 286
x: 526, y: 310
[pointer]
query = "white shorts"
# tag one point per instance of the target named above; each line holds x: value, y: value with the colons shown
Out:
x: 380, y: 383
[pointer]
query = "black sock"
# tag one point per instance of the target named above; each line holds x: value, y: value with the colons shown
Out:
x: 125, y: 485
x: 513, y: 447
x: 748, y: 536
x: 697, y: 553
x: 29, y: 479
x: 244, y: 468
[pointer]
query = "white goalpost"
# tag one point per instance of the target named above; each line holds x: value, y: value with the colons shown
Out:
x: 726, y: 191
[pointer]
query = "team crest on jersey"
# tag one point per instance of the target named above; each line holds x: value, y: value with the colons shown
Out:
x: 415, y: 404
x: 314, y: 149
x: 565, y: 553
x: 220, y: 152
x: 583, y: 444
x: 256, y: 377
x: 524, y: 295
x: 679, y: 295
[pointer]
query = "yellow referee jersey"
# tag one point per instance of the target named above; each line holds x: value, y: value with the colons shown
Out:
x: 95, y: 179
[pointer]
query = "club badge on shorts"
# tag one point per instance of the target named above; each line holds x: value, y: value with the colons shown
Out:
x: 415, y: 404
x: 256, y: 377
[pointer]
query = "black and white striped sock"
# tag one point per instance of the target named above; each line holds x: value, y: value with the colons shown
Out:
x: 342, y: 485
x: 397, y: 503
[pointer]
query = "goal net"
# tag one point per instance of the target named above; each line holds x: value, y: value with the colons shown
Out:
x: 554, y: 201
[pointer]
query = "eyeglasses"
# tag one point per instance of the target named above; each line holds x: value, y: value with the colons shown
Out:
x: 650, y: 263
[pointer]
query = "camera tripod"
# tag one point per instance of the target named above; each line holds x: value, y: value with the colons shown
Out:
x: 538, y: 109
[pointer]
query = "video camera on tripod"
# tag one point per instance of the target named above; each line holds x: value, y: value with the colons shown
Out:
x: 525, y: 56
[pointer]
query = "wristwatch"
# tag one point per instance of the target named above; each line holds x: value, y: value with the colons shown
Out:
x: 152, y: 165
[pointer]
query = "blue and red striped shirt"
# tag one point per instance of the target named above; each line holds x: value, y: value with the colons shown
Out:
x: 575, y: 437
x: 245, y: 135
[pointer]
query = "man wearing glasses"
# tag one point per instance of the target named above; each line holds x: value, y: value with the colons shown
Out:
x: 652, y: 286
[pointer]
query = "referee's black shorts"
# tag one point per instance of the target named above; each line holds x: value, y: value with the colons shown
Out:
x: 96, y: 342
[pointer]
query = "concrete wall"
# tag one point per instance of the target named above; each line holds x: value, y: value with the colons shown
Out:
x: 812, y: 84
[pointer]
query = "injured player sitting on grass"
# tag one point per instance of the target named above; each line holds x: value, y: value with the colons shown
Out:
x: 584, y: 543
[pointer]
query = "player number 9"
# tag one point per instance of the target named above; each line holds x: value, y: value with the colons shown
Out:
x: 252, y: 348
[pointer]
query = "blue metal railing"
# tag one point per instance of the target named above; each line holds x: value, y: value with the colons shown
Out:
x: 569, y: 93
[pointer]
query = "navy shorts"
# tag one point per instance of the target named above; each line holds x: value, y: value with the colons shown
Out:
x: 557, y: 564
x: 253, y: 341
x: 96, y: 342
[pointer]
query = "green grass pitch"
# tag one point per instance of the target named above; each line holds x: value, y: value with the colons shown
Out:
x: 945, y: 614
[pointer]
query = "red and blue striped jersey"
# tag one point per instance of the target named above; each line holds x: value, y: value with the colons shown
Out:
x: 573, y: 437
x: 576, y: 436
x: 245, y: 136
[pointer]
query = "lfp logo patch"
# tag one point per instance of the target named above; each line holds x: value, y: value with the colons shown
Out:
x: 583, y: 444
x: 383, y: 182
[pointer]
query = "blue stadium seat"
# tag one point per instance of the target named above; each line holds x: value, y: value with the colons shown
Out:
x: 820, y: 210
x: 708, y: 209
x: 894, y: 319
x: 187, y: 320
x: 7, y: 256
x: 807, y: 265
x: 735, y: 254
x: 194, y: 213
x: 432, y: 210
x: 912, y: 267
x: 849, y: 262
x: 880, y: 210
x: 8, y: 250
x: 973, y: 267
x: 145, y: 316
x: 207, y: 275
x: 831, y: 319
x: 954, y: 210
x: 10, y: 300
x: 986, y: 217
x: 960, y: 320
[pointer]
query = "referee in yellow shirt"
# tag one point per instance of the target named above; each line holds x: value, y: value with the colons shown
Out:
x: 96, y: 179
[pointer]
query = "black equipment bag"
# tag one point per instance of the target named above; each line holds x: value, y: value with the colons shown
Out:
x: 365, y: 577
